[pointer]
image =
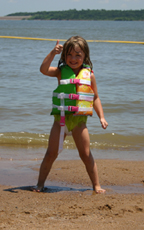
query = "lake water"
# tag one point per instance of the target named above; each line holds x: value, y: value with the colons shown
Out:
x: 25, y: 94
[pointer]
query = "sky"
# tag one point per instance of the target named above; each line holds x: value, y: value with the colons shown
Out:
x: 13, y: 6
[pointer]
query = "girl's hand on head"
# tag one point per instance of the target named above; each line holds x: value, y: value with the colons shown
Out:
x: 103, y: 123
x: 58, y: 48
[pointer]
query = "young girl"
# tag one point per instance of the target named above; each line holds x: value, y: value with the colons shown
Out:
x: 74, y: 58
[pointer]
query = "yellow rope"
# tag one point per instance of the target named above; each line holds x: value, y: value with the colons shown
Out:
x: 49, y: 39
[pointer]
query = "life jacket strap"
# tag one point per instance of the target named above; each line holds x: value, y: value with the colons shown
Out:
x: 62, y: 124
x: 61, y: 139
x: 75, y: 81
x: 74, y: 96
x: 73, y: 108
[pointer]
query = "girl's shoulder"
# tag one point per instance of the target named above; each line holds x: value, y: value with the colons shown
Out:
x: 93, y: 79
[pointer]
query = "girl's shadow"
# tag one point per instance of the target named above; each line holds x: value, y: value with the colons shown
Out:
x: 48, y: 189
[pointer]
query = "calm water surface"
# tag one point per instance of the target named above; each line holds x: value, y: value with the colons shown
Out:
x: 25, y: 94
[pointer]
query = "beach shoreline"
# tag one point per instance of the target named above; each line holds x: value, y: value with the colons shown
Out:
x: 14, y: 17
x: 68, y: 201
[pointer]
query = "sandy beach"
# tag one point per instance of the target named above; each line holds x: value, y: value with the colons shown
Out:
x: 68, y: 201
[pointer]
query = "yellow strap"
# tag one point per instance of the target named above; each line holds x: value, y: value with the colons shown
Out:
x: 49, y: 39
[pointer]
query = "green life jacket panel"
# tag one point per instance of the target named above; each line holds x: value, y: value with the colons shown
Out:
x: 66, y: 73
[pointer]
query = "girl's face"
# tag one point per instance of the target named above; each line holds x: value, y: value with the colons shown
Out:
x: 75, y: 58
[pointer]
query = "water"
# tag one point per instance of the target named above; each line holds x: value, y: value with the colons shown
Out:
x: 25, y: 94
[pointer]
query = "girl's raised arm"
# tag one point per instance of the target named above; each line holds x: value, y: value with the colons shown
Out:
x: 45, y: 68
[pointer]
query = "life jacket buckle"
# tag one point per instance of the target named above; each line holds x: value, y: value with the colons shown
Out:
x: 73, y: 108
x: 73, y: 96
x: 74, y: 81
x: 62, y: 121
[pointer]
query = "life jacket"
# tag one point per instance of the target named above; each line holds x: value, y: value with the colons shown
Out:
x: 73, y: 95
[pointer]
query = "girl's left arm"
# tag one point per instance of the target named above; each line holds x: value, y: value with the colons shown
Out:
x: 97, y: 103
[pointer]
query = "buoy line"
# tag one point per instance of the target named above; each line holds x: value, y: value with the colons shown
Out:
x: 51, y: 39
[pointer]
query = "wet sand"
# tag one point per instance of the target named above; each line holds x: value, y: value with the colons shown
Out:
x: 68, y: 201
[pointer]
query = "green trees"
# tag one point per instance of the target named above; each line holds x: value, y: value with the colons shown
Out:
x: 125, y: 15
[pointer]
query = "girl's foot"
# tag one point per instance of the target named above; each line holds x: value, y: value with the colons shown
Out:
x: 37, y: 189
x: 99, y: 190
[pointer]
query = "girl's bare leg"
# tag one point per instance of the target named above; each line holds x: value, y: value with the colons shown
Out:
x: 82, y: 140
x: 50, y: 156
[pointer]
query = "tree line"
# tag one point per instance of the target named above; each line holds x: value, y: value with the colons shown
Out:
x: 116, y: 15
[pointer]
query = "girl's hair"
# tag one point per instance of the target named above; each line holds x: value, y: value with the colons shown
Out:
x: 71, y: 43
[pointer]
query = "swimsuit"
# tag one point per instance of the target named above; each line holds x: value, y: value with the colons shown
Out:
x: 72, y: 121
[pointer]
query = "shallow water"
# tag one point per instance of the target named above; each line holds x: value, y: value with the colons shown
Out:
x: 25, y: 94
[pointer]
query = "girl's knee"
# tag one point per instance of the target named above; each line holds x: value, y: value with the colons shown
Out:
x: 51, y: 156
x: 86, y: 157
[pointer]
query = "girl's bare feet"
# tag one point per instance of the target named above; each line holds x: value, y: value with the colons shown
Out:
x: 99, y: 190
x: 37, y: 188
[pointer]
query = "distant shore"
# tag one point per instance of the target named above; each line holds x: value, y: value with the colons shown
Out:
x: 14, y: 17
x: 18, y: 18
